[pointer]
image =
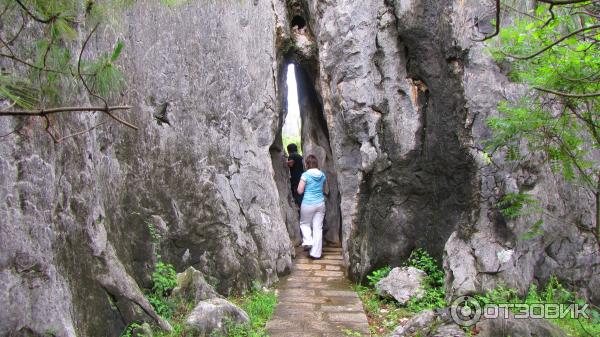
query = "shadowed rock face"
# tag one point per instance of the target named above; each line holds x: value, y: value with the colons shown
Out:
x: 393, y: 100
x: 406, y: 93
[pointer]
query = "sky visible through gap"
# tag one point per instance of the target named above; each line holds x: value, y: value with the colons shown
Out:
x: 291, y: 126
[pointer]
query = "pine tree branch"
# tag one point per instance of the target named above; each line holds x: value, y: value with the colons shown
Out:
x: 106, y: 111
x: 33, y: 16
x: 83, y: 131
x: 563, y: 2
x: 584, y: 29
x: 87, y: 88
x: 566, y: 94
x: 31, y: 65
x: 44, y: 112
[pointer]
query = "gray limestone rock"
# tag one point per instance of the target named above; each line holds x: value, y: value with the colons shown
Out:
x: 428, y: 324
x: 406, y: 91
x: 402, y: 284
x: 143, y: 331
x: 211, y: 316
x: 510, y: 326
x: 76, y: 247
x: 418, y: 324
x: 192, y: 285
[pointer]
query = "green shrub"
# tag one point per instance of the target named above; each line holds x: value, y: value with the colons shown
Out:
x: 433, y: 284
x: 553, y: 292
x: 378, y: 275
x: 259, y: 304
x: 164, y: 279
x: 384, y: 315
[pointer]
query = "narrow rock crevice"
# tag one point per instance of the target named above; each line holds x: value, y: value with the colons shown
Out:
x: 298, y: 46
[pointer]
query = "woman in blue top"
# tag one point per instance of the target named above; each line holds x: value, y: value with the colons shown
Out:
x: 312, y: 211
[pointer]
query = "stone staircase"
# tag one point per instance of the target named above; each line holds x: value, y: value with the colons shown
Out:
x: 316, y: 300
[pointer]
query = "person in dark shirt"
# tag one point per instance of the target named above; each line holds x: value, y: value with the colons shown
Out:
x: 296, y: 164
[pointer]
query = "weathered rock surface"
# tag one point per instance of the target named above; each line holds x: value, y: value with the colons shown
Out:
x: 192, y: 285
x: 500, y: 327
x: 402, y: 284
x: 406, y: 92
x: 211, y: 315
x: 428, y: 324
x: 75, y: 217
x: 145, y: 330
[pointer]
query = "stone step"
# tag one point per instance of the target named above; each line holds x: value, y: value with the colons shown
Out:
x: 316, y: 299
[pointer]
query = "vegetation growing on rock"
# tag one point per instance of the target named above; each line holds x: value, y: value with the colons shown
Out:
x: 554, y: 50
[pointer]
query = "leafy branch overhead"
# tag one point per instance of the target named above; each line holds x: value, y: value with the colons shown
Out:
x: 40, y: 78
x: 554, y: 50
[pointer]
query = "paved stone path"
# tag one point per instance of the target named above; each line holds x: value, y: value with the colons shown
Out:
x: 316, y: 300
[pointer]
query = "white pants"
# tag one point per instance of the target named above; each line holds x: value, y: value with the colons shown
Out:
x: 311, y: 226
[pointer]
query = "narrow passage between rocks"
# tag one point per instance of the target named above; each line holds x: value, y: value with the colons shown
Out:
x: 316, y: 300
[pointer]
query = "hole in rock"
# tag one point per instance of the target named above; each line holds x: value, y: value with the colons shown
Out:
x: 298, y: 22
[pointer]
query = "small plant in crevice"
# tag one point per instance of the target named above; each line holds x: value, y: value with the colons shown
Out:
x: 154, y: 233
x: 164, y: 279
x: 516, y: 205
x: 433, y: 284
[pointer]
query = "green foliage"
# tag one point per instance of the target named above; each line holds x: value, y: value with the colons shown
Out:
x: 350, y: 332
x: 555, y: 293
x: 555, y: 50
x: 161, y: 305
x: 561, y: 126
x: 164, y: 279
x: 515, y: 205
x: 420, y: 259
x: 384, y: 315
x: 154, y: 233
x: 129, y: 330
x: 174, y: 3
x: 378, y: 274
x: 43, y: 70
x: 433, y: 284
x: 18, y: 90
x: 259, y: 304
x: 434, y: 298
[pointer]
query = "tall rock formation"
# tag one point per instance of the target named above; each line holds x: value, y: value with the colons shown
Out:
x: 77, y: 219
x: 406, y: 91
